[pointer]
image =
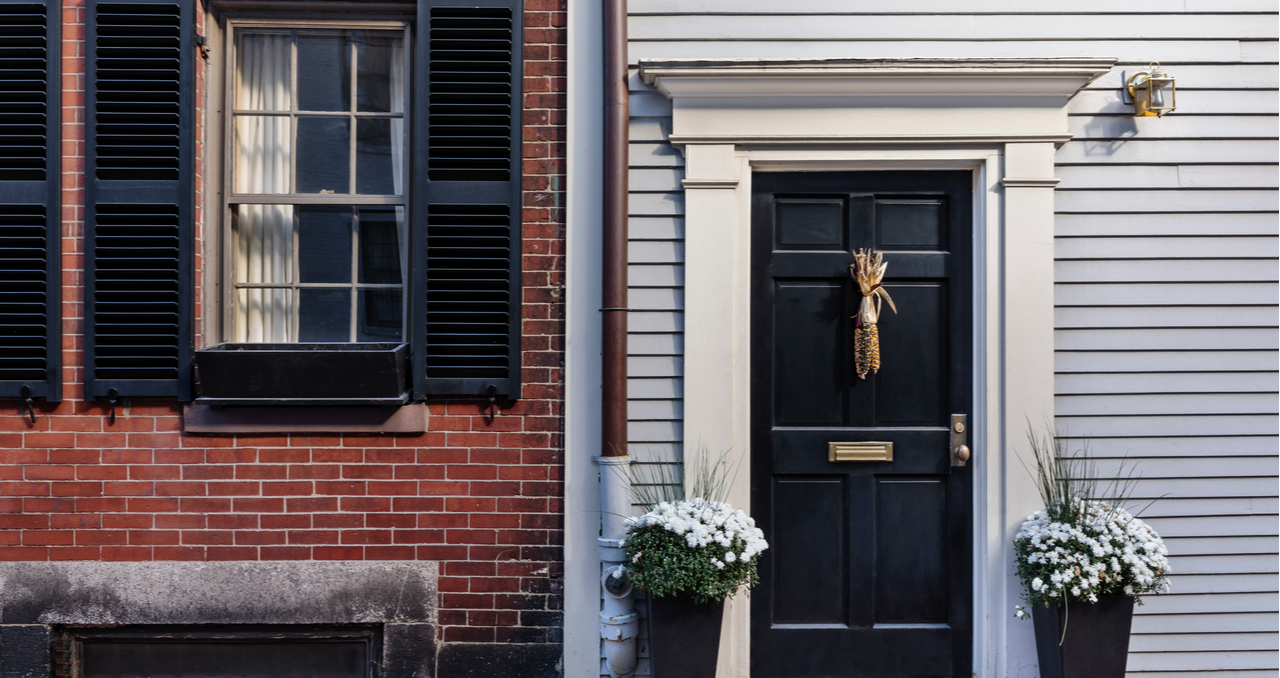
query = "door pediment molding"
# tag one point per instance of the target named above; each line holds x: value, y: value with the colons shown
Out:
x: 865, y: 101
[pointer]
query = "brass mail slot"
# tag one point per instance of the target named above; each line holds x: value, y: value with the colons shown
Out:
x: 868, y: 451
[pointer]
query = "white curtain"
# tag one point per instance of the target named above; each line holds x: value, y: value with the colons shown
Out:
x: 264, y: 233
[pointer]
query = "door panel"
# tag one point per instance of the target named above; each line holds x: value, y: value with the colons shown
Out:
x: 868, y: 573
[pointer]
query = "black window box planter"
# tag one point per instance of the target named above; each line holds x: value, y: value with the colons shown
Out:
x: 303, y: 374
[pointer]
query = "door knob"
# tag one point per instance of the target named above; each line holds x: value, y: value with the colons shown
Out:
x: 959, y: 439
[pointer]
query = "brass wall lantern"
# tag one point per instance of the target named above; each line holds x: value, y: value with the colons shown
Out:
x: 1152, y: 91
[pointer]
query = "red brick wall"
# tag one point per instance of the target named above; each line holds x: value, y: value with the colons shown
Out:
x: 483, y: 499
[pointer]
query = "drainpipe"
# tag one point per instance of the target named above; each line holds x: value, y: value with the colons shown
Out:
x: 619, y: 623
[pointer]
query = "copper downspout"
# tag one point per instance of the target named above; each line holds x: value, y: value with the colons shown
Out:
x: 614, y: 311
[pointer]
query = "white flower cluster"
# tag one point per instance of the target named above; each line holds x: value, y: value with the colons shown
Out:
x: 1109, y: 546
x: 703, y: 523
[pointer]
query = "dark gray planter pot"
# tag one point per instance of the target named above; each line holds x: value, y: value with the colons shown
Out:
x: 1096, y: 643
x: 684, y: 638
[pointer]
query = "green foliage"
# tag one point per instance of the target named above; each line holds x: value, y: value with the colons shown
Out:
x: 662, y: 562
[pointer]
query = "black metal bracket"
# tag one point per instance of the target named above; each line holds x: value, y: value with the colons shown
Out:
x: 26, y: 402
x: 112, y: 394
x: 491, y: 405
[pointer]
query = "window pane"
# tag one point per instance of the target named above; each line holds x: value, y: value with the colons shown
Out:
x: 324, y: 151
x: 324, y: 72
x: 324, y: 314
x: 263, y: 152
x: 379, y: 72
x: 263, y: 72
x: 381, y: 315
x: 324, y: 244
x: 264, y: 315
x: 262, y: 236
x: 381, y: 258
x: 378, y: 156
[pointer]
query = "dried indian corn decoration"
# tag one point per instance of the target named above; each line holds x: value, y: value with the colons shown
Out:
x: 868, y: 270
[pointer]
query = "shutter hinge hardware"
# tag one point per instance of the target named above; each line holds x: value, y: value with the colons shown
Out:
x: 492, y: 405
x: 112, y: 394
x: 203, y: 45
x: 26, y: 402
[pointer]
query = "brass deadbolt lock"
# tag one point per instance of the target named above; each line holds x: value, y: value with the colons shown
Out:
x: 958, y: 427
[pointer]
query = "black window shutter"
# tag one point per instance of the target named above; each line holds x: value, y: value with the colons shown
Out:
x: 139, y: 195
x: 30, y: 200
x: 466, y: 199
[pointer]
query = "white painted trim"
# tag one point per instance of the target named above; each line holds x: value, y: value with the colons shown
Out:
x: 729, y: 129
x: 583, y: 341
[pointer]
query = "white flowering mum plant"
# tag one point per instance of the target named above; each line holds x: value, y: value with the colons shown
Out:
x: 703, y: 549
x: 1080, y: 547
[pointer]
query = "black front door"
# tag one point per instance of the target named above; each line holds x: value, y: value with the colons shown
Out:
x: 869, y: 567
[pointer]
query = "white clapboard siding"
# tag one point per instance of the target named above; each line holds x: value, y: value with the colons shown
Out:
x: 1125, y: 225
x: 772, y: 7
x: 1166, y: 297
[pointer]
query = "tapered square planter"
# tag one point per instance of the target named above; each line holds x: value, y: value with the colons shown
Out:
x: 1096, y: 644
x: 304, y: 374
x: 684, y: 637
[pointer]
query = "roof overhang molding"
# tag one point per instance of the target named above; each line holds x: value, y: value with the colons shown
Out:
x: 870, y: 101
x: 1049, y: 77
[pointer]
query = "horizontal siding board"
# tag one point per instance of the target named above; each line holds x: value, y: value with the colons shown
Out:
x: 654, y: 387
x: 1166, y: 316
x: 1175, y: 603
x: 1190, y: 526
x: 1168, y: 176
x: 1256, y: 563
x: 655, y: 299
x: 655, y: 179
x: 1124, y: 225
x: 656, y: 228
x: 1168, y: 270
x: 656, y: 275
x: 1163, y: 382
x: 1171, y: 507
x: 639, y: 7
x: 654, y: 431
x: 1142, y: 202
x: 1172, y: 126
x: 1167, y: 339
x: 1167, y: 151
x: 1217, y: 545
x: 1167, y: 51
x: 650, y: 103
x: 655, y: 410
x: 656, y: 252
x: 649, y: 154
x: 1200, y: 76
x: 655, y: 321
x: 1224, y: 583
x: 1173, y: 247
x: 1164, y: 361
x: 1145, y: 622
x: 1164, y: 294
x: 947, y: 27
x: 655, y: 344
x: 1215, y: 99
x: 650, y: 129
x: 1201, y: 661
x: 656, y: 204
x: 1183, y: 424
x: 1165, y: 403
x: 1175, y: 447
x: 1193, y: 467
x: 655, y: 366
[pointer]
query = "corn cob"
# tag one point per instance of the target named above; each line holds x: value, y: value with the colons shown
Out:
x: 868, y: 271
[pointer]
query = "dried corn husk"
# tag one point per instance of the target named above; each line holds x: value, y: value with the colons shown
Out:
x: 868, y: 271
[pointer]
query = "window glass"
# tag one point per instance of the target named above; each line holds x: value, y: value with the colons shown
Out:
x: 318, y: 117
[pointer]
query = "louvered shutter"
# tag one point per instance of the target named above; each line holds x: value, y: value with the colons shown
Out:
x: 466, y: 199
x: 30, y: 205
x: 139, y: 196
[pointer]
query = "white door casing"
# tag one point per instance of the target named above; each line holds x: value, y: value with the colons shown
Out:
x: 1000, y: 118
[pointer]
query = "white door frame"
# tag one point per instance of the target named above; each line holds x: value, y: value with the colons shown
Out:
x: 1002, y: 119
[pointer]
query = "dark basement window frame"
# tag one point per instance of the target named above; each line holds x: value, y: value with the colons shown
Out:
x: 69, y: 651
